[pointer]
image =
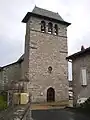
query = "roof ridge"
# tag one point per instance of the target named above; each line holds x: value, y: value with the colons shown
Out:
x: 46, y: 10
x: 44, y: 13
x: 86, y: 50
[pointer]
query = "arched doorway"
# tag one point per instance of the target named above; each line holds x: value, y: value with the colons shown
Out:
x: 50, y: 95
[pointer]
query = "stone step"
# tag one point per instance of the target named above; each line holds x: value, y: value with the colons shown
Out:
x: 50, y: 105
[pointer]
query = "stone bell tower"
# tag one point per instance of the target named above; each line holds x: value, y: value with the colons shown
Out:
x: 45, y: 55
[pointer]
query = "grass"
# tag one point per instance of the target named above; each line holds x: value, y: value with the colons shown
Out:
x: 3, y: 103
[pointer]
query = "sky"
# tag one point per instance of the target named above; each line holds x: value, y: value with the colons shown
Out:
x: 12, y: 30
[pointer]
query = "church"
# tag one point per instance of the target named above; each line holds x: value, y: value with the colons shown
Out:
x: 44, y: 60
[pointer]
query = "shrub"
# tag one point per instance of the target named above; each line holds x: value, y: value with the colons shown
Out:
x: 3, y: 103
x: 85, y: 107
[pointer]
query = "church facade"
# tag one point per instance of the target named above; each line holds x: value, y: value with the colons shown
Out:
x: 44, y: 61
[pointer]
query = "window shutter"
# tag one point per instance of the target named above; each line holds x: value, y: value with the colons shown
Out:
x: 84, y: 77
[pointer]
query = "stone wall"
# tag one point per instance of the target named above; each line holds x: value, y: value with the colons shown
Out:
x: 80, y: 91
x: 46, y: 50
x: 10, y: 73
x: 1, y: 81
x: 22, y: 69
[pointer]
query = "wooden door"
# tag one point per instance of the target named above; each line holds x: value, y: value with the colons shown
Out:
x: 50, y: 95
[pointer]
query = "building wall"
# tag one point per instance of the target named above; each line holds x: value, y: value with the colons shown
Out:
x: 80, y: 91
x: 46, y: 50
x: 10, y: 73
x: 1, y: 81
x: 22, y: 69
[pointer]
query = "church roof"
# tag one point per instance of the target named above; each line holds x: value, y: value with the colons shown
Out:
x: 47, y: 13
x: 0, y: 68
x: 39, y: 12
x: 21, y: 59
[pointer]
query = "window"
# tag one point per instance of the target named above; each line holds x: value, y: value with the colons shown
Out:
x: 43, y: 26
x: 83, y: 77
x: 50, y: 27
x: 49, y: 69
x: 56, y: 29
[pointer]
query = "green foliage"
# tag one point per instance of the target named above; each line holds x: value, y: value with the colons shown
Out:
x: 85, y: 107
x: 3, y: 103
x: 4, y: 94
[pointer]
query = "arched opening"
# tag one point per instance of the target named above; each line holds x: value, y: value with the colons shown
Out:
x: 56, y: 29
x: 50, y: 95
x: 49, y: 69
x: 43, y: 26
x: 50, y: 27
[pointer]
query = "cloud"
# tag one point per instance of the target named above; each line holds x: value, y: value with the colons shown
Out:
x: 78, y: 32
x: 12, y: 31
x: 10, y: 50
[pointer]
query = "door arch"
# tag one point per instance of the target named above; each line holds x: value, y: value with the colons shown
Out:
x: 50, y: 95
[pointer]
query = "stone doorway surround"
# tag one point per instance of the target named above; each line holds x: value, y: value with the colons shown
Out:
x: 50, y: 95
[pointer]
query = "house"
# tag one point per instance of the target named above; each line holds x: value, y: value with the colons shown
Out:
x: 44, y: 61
x: 80, y: 74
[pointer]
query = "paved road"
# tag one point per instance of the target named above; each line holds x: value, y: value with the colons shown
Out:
x: 57, y: 114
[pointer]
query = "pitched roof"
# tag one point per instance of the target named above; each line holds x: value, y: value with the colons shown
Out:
x: 78, y: 54
x: 0, y: 68
x: 21, y: 59
x: 47, y: 13
x: 39, y: 12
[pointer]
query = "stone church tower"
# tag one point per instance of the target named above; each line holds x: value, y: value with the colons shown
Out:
x: 45, y: 55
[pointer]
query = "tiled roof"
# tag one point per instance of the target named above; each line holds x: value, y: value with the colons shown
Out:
x: 46, y: 14
x: 78, y: 54
x: 19, y: 61
x: 21, y: 58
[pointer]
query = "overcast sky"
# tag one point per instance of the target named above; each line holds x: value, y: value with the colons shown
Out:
x: 12, y: 31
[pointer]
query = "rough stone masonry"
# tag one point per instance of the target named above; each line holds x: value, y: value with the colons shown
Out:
x: 44, y: 50
x: 44, y: 60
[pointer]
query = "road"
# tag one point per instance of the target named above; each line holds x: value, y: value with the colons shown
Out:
x: 57, y: 114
